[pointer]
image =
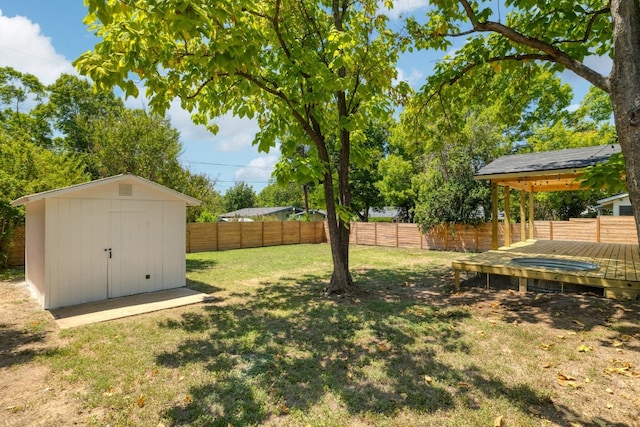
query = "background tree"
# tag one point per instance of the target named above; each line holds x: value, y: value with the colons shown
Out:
x: 19, y: 94
x: 447, y: 141
x: 558, y: 34
x: 202, y: 188
x: 133, y: 141
x: 275, y: 194
x: 27, y: 168
x: 365, y: 173
x: 240, y: 196
x: 317, y: 71
x: 72, y: 107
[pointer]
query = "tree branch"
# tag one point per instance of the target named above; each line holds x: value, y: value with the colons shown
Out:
x: 519, y: 57
x: 554, y: 54
x: 587, y: 32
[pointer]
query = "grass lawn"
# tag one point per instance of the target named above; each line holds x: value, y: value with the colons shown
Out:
x: 270, y: 349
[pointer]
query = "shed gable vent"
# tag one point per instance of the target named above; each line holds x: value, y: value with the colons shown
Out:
x: 125, y: 190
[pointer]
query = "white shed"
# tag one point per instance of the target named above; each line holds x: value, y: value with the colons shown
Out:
x: 108, y: 238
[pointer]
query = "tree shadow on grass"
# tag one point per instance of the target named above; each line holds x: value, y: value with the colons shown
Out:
x: 566, y: 311
x: 195, y: 265
x: 286, y: 348
x: 19, y: 345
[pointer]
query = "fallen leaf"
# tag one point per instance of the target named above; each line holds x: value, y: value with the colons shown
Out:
x: 428, y: 379
x: 560, y: 337
x: 284, y: 409
x: 481, y: 334
x: 567, y: 380
x: 462, y: 385
x: 587, y: 380
x: 626, y: 337
x: 609, y: 406
x: 577, y: 322
x: 584, y: 348
x: 349, y: 374
x: 187, y: 399
x: 383, y: 347
x: 608, y: 390
x: 618, y: 344
x: 110, y: 392
x: 141, y: 401
x: 497, y: 422
x: 548, y: 365
x: 572, y: 333
x: 181, y: 378
x: 566, y: 377
x: 545, y: 347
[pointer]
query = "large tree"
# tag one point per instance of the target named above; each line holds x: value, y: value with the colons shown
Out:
x: 28, y: 168
x: 314, y: 70
x: 561, y: 34
x: 240, y: 196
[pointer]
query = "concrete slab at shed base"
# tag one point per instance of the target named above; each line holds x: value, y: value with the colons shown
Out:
x: 101, y: 311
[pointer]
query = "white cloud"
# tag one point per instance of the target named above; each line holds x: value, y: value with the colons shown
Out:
x: 402, y: 6
x: 235, y: 134
x: 24, y: 48
x: 258, y: 169
x: 414, y: 77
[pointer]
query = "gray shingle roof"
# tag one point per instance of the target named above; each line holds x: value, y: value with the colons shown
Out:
x: 254, y: 212
x: 571, y: 158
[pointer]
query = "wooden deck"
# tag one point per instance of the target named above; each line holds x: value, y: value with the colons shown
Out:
x: 618, y: 275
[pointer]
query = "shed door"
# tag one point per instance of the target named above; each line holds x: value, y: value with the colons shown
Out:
x: 129, y: 262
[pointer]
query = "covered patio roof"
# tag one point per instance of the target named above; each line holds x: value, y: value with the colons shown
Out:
x: 537, y: 172
x: 545, y: 171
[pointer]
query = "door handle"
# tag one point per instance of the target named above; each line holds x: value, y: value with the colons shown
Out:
x: 108, y: 250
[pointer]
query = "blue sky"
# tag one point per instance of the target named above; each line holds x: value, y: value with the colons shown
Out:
x: 43, y: 37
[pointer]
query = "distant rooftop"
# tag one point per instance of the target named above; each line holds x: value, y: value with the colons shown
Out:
x: 257, y: 212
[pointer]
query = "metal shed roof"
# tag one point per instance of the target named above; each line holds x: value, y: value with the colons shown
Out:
x: 546, y: 171
x: 190, y: 201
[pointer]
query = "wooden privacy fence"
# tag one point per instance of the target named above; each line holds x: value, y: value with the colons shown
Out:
x: 606, y: 229
x: 218, y: 236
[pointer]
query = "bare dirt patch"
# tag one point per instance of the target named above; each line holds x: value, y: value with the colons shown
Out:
x: 29, y: 396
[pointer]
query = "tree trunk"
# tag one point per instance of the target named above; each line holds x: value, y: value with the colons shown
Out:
x: 341, y: 280
x: 625, y: 92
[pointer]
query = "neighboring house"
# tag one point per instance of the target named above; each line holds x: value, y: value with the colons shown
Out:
x: 314, y: 215
x: 385, y: 214
x: 108, y: 238
x: 281, y: 213
x: 618, y: 205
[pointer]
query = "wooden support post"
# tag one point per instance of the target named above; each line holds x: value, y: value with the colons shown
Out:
x: 494, y: 215
x: 507, y: 216
x: 456, y: 279
x: 531, y: 220
x: 522, y: 284
x: 523, y: 216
